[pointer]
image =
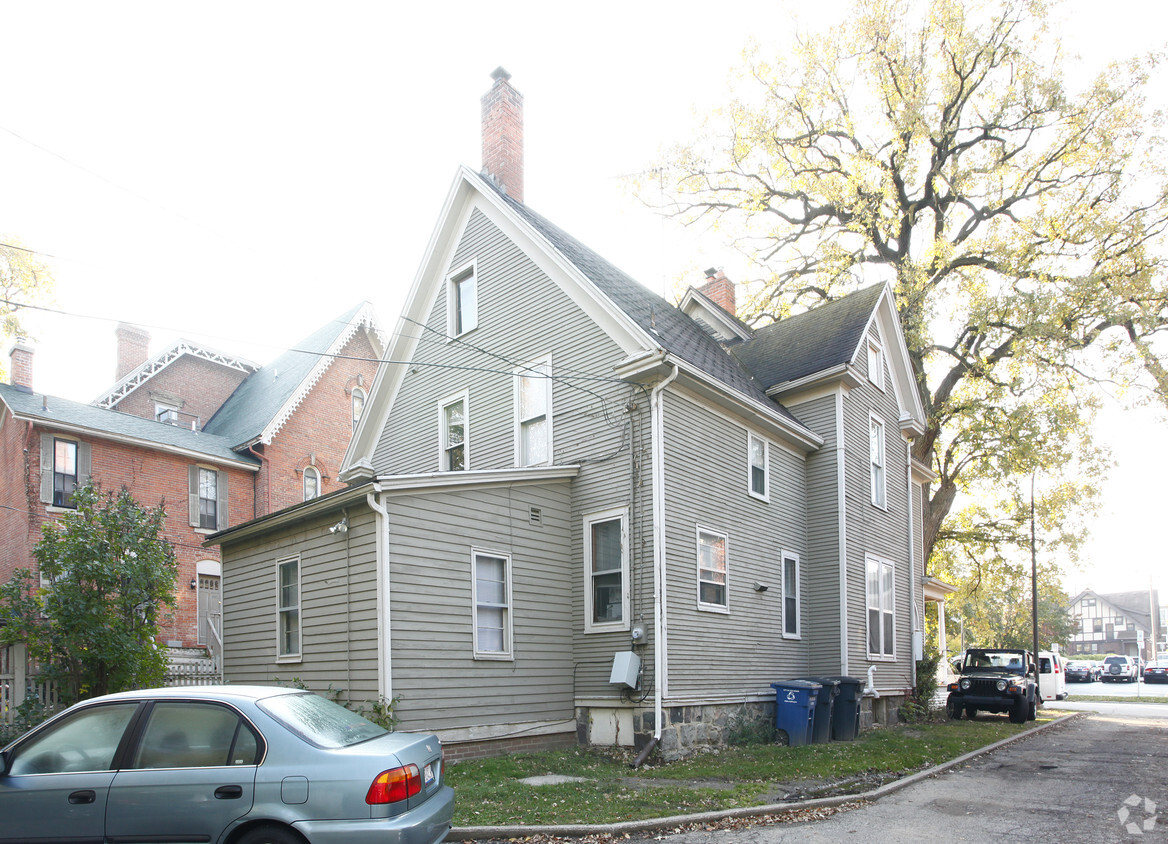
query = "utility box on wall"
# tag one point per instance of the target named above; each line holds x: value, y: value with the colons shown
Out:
x: 626, y: 666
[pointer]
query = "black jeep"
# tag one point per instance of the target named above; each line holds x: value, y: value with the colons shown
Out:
x: 995, y: 680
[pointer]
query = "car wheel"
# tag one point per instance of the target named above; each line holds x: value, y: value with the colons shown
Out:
x: 970, y: 712
x: 1018, y: 711
x: 954, y: 709
x: 270, y: 835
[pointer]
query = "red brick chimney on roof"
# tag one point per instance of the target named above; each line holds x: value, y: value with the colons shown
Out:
x: 720, y: 290
x: 20, y: 369
x: 503, y: 135
x: 133, y: 348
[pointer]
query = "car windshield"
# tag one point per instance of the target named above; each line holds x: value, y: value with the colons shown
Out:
x: 979, y: 660
x: 320, y: 722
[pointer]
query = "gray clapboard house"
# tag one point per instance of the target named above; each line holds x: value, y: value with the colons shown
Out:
x: 579, y: 513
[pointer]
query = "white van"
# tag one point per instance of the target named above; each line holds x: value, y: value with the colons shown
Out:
x: 1052, y: 675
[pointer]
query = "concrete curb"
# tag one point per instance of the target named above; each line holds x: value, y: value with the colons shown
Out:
x: 482, y: 833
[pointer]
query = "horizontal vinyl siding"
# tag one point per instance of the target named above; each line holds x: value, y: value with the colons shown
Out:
x: 337, y: 607
x: 821, y: 569
x: 872, y: 530
x: 440, y: 683
x: 714, y: 655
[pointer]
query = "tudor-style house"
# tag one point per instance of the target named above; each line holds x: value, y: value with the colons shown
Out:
x: 215, y: 437
x: 1116, y: 623
x: 579, y: 513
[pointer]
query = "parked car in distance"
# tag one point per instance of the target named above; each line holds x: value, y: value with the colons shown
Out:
x: 251, y: 764
x: 1156, y: 671
x: 994, y: 680
x: 1083, y: 671
x: 1120, y: 668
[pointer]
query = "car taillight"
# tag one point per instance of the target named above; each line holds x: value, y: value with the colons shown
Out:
x: 394, y: 785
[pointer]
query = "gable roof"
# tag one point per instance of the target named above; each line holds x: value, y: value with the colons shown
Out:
x: 1136, y: 605
x: 143, y: 373
x: 60, y: 414
x: 261, y: 405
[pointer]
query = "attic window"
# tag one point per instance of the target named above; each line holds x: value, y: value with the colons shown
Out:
x: 462, y: 301
x: 876, y: 363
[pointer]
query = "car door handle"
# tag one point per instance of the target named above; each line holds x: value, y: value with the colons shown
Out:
x: 80, y: 797
x: 229, y: 792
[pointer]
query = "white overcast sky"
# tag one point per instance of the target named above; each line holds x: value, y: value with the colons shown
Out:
x: 239, y: 172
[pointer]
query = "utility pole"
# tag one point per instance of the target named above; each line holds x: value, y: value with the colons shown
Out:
x: 1034, y: 592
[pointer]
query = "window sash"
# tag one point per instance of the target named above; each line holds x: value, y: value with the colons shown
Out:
x: 64, y: 472
x: 454, y: 436
x: 288, y: 607
x: 532, y: 410
x: 876, y: 457
x: 311, y: 483
x: 208, y: 499
x: 607, y: 571
x: 759, y: 466
x: 712, y: 570
x: 881, y: 589
x: 790, y: 596
x: 876, y: 364
x: 492, y: 605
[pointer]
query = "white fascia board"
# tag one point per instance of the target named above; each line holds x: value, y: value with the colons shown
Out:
x: 473, y: 479
x: 695, y: 300
x: 843, y: 373
x: 138, y: 442
x: 912, y: 411
x: 766, y: 418
x: 293, y: 515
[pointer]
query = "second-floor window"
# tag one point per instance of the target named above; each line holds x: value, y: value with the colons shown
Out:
x: 64, y: 472
x: 876, y: 453
x: 713, y: 571
x: 759, y: 466
x: 311, y: 483
x: 533, y: 402
x: 207, y: 494
x: 454, y: 425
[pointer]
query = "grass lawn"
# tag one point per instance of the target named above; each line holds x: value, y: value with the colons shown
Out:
x: 489, y: 791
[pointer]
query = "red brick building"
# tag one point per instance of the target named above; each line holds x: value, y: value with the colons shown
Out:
x: 216, y: 439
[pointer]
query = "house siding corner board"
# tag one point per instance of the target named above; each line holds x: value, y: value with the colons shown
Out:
x: 736, y: 654
x: 821, y: 573
x: 877, y: 531
x: 523, y: 317
x: 338, y: 606
x: 443, y: 686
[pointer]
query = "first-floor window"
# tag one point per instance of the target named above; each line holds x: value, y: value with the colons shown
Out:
x: 790, y: 595
x: 713, y: 571
x: 881, y: 607
x: 492, y: 605
x: 288, y: 606
x: 607, y: 572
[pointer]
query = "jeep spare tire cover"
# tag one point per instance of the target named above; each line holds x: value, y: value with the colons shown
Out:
x: 1116, y: 668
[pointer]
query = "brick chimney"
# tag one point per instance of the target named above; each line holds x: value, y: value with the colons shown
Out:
x: 20, y: 369
x: 133, y: 348
x: 503, y: 135
x: 720, y: 290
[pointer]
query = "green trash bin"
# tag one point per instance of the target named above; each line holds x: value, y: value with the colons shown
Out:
x: 795, y: 709
x: 824, y: 706
x: 845, y: 718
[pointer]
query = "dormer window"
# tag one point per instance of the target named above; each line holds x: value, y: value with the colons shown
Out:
x: 166, y: 413
x: 463, y: 301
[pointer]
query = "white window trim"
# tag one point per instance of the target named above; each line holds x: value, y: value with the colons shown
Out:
x: 869, y: 559
x: 462, y: 272
x: 766, y: 467
x: 290, y: 657
x: 702, y: 605
x: 507, y: 654
x: 464, y: 397
x: 876, y: 377
x: 784, y: 556
x: 878, y: 493
x: 590, y: 626
x: 313, y: 472
x: 520, y: 373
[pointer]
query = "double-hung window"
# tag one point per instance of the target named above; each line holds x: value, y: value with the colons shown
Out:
x: 791, y: 628
x: 533, y: 407
x: 453, y: 422
x: 606, y: 599
x: 288, y: 607
x: 65, y: 466
x: 492, y: 605
x: 881, y: 607
x: 207, y: 494
x: 64, y: 472
x: 463, y: 301
x: 876, y: 455
x: 759, y: 454
x: 713, y: 571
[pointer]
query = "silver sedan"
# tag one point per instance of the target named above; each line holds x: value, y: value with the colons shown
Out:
x: 229, y: 764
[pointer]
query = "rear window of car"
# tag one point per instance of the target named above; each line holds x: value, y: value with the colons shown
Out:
x: 1112, y: 660
x: 319, y: 721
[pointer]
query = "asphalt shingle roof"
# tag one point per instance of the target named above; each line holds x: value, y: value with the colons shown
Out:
x: 56, y: 410
x: 256, y: 401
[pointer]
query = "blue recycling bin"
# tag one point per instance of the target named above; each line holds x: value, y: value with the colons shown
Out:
x: 824, y: 704
x: 845, y: 718
x: 795, y: 709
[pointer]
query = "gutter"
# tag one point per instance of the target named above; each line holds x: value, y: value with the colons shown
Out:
x: 659, y: 636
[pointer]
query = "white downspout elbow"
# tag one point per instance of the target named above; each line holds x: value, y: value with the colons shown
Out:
x: 870, y: 689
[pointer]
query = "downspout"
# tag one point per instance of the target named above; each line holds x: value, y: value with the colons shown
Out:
x: 916, y: 625
x: 384, y: 630
x: 842, y: 511
x: 267, y: 464
x: 659, y: 637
